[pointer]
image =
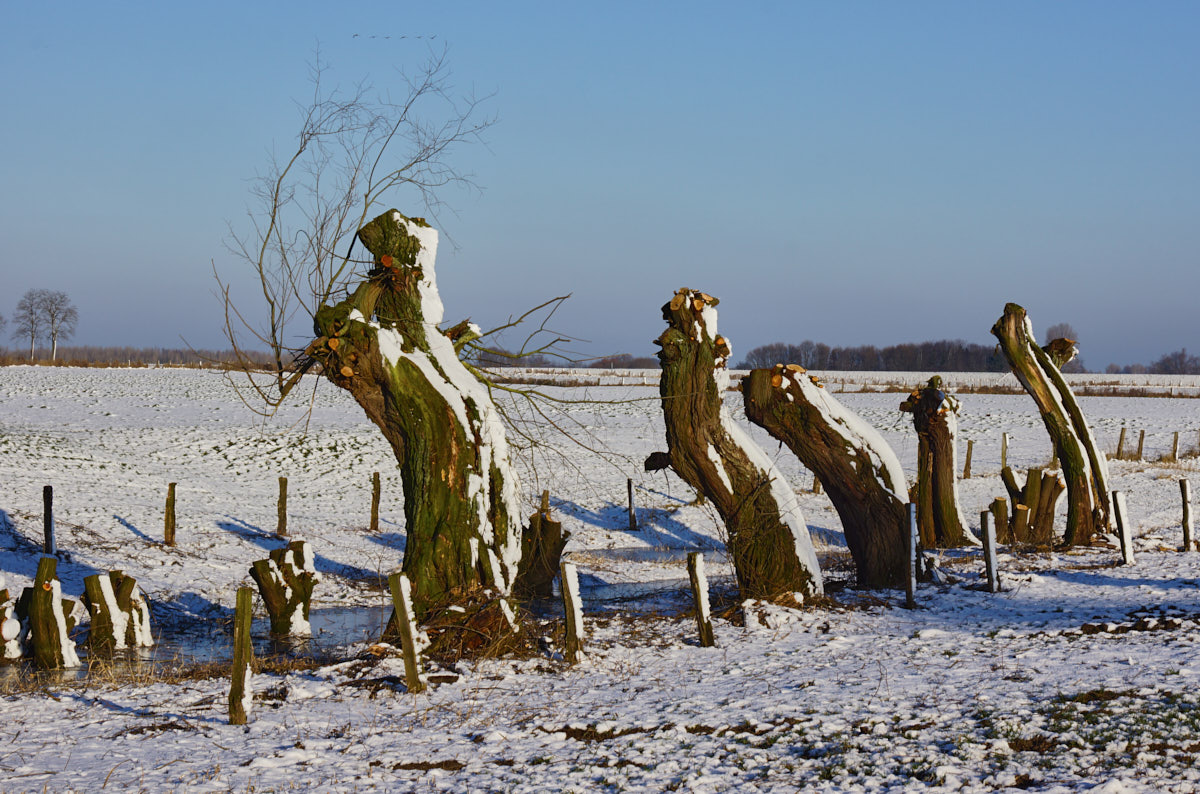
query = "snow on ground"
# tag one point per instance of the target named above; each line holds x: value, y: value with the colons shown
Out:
x: 1082, y: 675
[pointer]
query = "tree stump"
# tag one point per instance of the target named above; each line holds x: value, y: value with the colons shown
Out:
x: 542, y: 547
x: 935, y: 417
x: 120, y: 615
x: 1084, y: 466
x: 285, y: 580
x: 767, y: 539
x: 1034, y: 504
x: 461, y: 494
x: 47, y: 615
x: 857, y: 468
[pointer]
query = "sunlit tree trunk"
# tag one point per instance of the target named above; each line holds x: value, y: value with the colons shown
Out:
x: 935, y: 417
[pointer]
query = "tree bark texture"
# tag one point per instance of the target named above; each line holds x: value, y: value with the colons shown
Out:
x: 1039, y: 496
x: 383, y: 345
x: 285, y: 581
x: 120, y: 616
x: 767, y: 539
x: 935, y: 417
x: 1085, y: 468
x: 855, y: 465
x: 48, y: 616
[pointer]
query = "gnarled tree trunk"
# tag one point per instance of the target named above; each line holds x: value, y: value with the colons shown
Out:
x: 856, y: 466
x: 768, y: 541
x: 935, y: 417
x: 1085, y: 468
x: 383, y: 345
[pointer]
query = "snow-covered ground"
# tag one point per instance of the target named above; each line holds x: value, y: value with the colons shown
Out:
x: 1083, y: 674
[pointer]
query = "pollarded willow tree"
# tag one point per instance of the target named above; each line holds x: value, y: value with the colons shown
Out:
x: 935, y: 417
x: 1085, y: 467
x: 767, y: 538
x: 863, y: 476
x: 330, y: 265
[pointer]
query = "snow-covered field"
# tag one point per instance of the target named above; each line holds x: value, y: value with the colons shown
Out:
x: 1082, y: 675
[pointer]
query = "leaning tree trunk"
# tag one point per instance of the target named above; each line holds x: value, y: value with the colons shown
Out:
x: 935, y: 417
x: 855, y: 465
x: 383, y: 345
x: 767, y: 538
x: 1085, y: 468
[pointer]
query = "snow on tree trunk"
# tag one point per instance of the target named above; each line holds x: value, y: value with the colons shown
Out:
x: 1085, y: 468
x: 285, y: 581
x: 383, y: 345
x: 767, y: 538
x: 855, y: 465
x: 120, y: 615
x: 48, y: 617
x: 935, y: 417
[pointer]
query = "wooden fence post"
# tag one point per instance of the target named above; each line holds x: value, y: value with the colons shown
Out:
x: 402, y: 603
x: 1123, y: 527
x: 1141, y: 445
x: 545, y: 504
x: 967, y: 464
x: 910, y: 588
x: 375, y: 502
x: 990, y: 564
x: 816, y: 484
x: 48, y: 546
x: 633, y: 525
x: 1175, y: 448
x: 1003, y: 451
x: 1185, y: 490
x: 1121, y: 444
x: 700, y: 598
x: 281, y: 528
x: 241, y: 693
x: 573, y: 607
x: 169, y: 518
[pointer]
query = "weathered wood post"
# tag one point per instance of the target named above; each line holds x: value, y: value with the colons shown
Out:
x: 48, y: 616
x: 1185, y: 490
x: 546, y: 503
x: 700, y: 598
x: 286, y: 580
x: 991, y: 565
x: 1003, y: 451
x: 1141, y: 444
x: 241, y: 692
x: 120, y: 615
x: 816, y: 484
x: 1175, y: 448
x: 633, y: 525
x: 573, y: 608
x: 281, y: 528
x: 48, y: 546
x: 1123, y: 527
x: 1121, y: 444
x: 402, y: 603
x: 169, y: 517
x: 375, y: 492
x: 914, y: 537
x: 967, y: 463
x: 1000, y: 514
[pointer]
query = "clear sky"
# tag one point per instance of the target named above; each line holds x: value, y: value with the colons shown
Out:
x: 848, y: 172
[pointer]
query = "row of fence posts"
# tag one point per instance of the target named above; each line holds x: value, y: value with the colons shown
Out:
x: 1120, y: 453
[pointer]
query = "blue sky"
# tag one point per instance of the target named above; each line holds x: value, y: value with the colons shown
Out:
x: 847, y: 172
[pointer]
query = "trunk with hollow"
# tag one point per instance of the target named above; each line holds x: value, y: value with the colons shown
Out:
x: 854, y: 464
x: 1085, y: 468
x: 935, y: 417
x: 383, y: 345
x: 767, y: 538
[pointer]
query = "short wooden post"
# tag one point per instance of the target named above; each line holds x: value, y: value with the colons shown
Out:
x: 700, y: 598
x: 990, y: 565
x: 1123, y: 527
x: 48, y: 545
x: 402, y: 603
x: 169, y: 519
x: 1141, y: 444
x: 241, y: 693
x: 633, y: 525
x: 573, y: 607
x: 545, y: 504
x: 816, y: 484
x: 1175, y: 447
x: 1185, y: 490
x: 910, y: 588
x: 1003, y: 450
x: 1121, y: 443
x: 375, y: 502
x: 281, y: 528
x: 967, y: 464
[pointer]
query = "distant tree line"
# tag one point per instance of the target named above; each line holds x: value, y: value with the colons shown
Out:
x: 1177, y: 363
x: 947, y: 355
x: 94, y: 356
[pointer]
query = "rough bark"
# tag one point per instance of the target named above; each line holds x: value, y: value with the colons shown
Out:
x: 855, y: 465
x: 542, y: 547
x: 383, y: 345
x: 1085, y: 468
x: 120, y: 615
x: 48, y: 616
x: 285, y: 581
x: 767, y: 538
x: 935, y: 417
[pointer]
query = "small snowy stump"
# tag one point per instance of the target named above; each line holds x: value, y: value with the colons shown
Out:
x: 573, y: 607
x: 47, y: 614
x: 700, y: 596
x: 241, y: 693
x: 11, y: 647
x: 120, y: 615
x: 286, y: 580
